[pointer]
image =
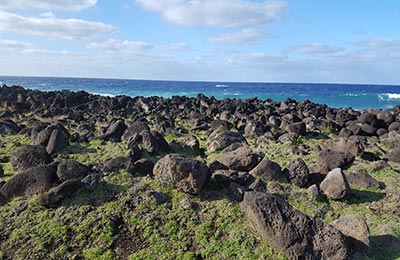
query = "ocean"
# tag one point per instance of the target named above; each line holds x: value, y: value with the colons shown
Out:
x: 334, y: 95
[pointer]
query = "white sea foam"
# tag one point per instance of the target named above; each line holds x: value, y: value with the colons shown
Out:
x: 355, y: 94
x: 393, y: 96
x: 222, y: 86
x: 104, y: 94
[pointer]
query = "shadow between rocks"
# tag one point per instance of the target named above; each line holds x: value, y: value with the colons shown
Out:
x: 77, y: 148
x: 385, y: 247
x: 364, y: 196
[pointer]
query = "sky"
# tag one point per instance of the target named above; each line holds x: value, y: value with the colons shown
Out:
x: 330, y: 41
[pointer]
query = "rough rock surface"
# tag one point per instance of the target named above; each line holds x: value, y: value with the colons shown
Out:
x: 31, y: 182
x: 60, y: 192
x: 30, y: 156
x: 221, y: 139
x: 241, y: 159
x: 289, y: 231
x: 57, y: 142
x: 268, y: 171
x: 119, y: 163
x: 335, y: 185
x: 186, y: 174
x: 394, y: 155
x: 298, y: 172
x: 356, y: 229
x: 70, y: 169
x: 329, y: 160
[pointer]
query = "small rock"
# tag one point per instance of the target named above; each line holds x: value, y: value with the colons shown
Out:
x: 313, y: 191
x: 185, y: 204
x: 91, y: 180
x: 159, y: 197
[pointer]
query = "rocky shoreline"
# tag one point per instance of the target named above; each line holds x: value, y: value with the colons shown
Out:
x: 313, y: 181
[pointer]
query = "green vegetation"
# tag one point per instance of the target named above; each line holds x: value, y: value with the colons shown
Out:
x: 120, y: 218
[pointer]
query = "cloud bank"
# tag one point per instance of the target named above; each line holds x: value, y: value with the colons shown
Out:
x: 247, y: 36
x: 222, y: 13
x: 71, y: 5
x: 52, y: 27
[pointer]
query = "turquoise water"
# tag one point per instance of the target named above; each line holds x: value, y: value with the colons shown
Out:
x: 334, y: 95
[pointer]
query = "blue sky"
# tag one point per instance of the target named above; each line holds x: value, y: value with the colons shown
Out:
x: 332, y: 41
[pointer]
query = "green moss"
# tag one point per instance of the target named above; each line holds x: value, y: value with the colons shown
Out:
x: 98, y: 254
x: 95, y: 151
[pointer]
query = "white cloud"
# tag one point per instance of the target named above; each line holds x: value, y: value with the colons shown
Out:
x: 10, y: 44
x: 317, y: 49
x: 178, y: 46
x: 73, y: 5
x: 222, y: 13
x: 247, y: 36
x: 379, y: 43
x: 52, y: 27
x: 113, y: 45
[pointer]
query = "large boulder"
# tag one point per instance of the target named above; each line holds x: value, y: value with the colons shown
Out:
x: 329, y: 160
x: 31, y: 182
x: 60, y: 192
x: 114, y: 131
x: 134, y: 129
x: 351, y: 144
x: 298, y: 172
x: 70, y: 169
x: 291, y: 232
x: 186, y: 174
x: 57, y: 142
x: 40, y: 135
x: 222, y: 138
x: 241, y: 159
x: 355, y: 228
x: 268, y: 171
x: 335, y: 185
x: 30, y: 156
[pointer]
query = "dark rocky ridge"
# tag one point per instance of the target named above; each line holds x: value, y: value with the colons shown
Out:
x: 237, y: 132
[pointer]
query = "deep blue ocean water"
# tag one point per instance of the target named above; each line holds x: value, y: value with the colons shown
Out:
x: 334, y: 95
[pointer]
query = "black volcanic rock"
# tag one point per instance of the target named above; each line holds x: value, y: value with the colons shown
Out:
x: 329, y: 160
x: 186, y: 174
x: 31, y: 182
x: 295, y: 234
x: 30, y: 156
